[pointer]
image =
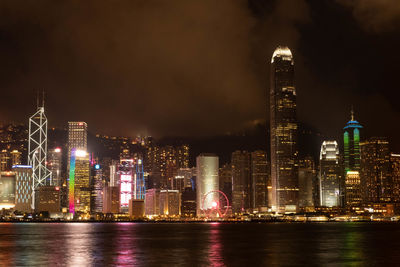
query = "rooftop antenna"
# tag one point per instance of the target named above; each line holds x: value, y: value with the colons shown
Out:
x: 352, y: 113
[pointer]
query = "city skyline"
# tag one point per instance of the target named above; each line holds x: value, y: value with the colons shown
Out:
x: 239, y: 76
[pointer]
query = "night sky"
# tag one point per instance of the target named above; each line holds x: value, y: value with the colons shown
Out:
x: 199, y: 68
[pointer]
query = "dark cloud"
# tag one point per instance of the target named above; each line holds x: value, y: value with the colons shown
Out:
x: 375, y: 15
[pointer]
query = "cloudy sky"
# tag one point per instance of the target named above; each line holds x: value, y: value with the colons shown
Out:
x: 199, y: 67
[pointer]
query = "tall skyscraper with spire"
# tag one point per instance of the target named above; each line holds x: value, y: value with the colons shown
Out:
x: 283, y: 127
x: 351, y: 139
x: 37, y: 149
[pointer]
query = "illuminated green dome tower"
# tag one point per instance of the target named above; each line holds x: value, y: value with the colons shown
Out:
x: 351, y: 140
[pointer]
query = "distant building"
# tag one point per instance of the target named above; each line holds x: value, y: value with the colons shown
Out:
x: 136, y: 208
x: 9, y: 158
x: 54, y: 163
x: 48, y: 200
x: 7, y: 190
x: 395, y: 173
x: 283, y: 126
x: 97, y: 187
x: 375, y: 171
x: 23, y: 187
x: 152, y: 202
x: 330, y: 174
x: 225, y: 180
x: 170, y: 204
x: 188, y: 203
x: 79, y: 181
x: 259, y: 178
x: 353, y: 189
x: 206, y: 180
x: 307, y: 174
x: 111, y: 199
x: 126, y: 173
x: 351, y: 138
x: 241, y: 182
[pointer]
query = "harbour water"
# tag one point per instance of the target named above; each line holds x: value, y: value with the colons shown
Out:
x: 199, y: 244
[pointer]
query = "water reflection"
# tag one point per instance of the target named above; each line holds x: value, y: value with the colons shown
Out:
x: 78, y: 244
x: 127, y: 252
x: 215, y: 248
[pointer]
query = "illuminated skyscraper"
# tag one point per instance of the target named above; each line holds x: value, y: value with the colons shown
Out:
x: 7, y: 190
x: 353, y: 189
x: 351, y: 140
x: 37, y: 150
x: 395, y: 174
x: 283, y: 126
x: 330, y: 174
x: 170, y: 203
x: 23, y: 187
x: 77, y: 137
x: 79, y: 181
x: 241, y: 182
x: 375, y: 170
x: 307, y: 176
x: 54, y: 165
x: 259, y: 177
x: 97, y: 187
x: 127, y: 184
x: 206, y: 181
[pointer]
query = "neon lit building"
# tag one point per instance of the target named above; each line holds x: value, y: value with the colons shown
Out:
x: 127, y: 185
x: 23, y: 187
x: 351, y: 138
x: 330, y: 174
x: 283, y: 128
x: 77, y: 137
x: 79, y: 181
x: 140, y: 181
x: 207, y: 180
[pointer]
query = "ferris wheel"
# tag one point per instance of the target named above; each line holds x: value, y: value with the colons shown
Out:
x: 215, y: 204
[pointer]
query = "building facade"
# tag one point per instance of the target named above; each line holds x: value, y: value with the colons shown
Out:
x: 259, y: 178
x: 241, y: 182
x: 207, y: 180
x: 283, y: 128
x: 23, y: 187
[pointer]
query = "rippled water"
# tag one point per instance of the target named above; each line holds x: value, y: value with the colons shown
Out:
x: 200, y: 244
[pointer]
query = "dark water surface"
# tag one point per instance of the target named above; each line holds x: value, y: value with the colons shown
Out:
x: 199, y: 244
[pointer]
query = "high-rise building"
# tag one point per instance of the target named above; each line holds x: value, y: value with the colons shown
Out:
x: 375, y: 171
x: 49, y: 199
x: 206, y: 181
x: 126, y: 173
x: 54, y: 165
x: 79, y: 181
x: 9, y: 159
x: 152, y: 202
x: 97, y: 188
x: 225, y: 180
x: 140, y: 179
x: 330, y: 174
x: 7, y: 190
x: 136, y: 208
x: 111, y: 197
x: 170, y: 203
x: 23, y: 187
x: 307, y: 174
x: 241, y: 182
x: 37, y: 150
x: 353, y: 189
x: 283, y: 127
x: 77, y: 137
x: 259, y: 177
x: 188, y: 203
x: 351, y: 139
x: 395, y: 173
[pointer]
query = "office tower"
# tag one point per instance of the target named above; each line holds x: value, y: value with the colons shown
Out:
x: 37, y: 150
x: 183, y: 178
x: 111, y: 197
x: 4, y: 160
x: 395, y: 174
x: 330, y: 174
x: 259, y: 177
x: 15, y: 156
x: 241, y: 182
x: 54, y: 165
x: 188, y: 203
x: 206, y: 181
x: 353, y: 189
x: 283, y: 127
x: 49, y: 199
x: 77, y: 137
x: 23, y: 187
x: 79, y: 181
x: 140, y: 179
x: 126, y: 173
x: 307, y: 174
x: 375, y: 170
x: 351, y: 138
x: 97, y: 187
x: 170, y: 203
x: 136, y: 208
x: 152, y: 201
x: 7, y: 190
x: 225, y: 180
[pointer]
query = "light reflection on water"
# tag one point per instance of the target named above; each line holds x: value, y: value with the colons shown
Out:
x: 196, y: 244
